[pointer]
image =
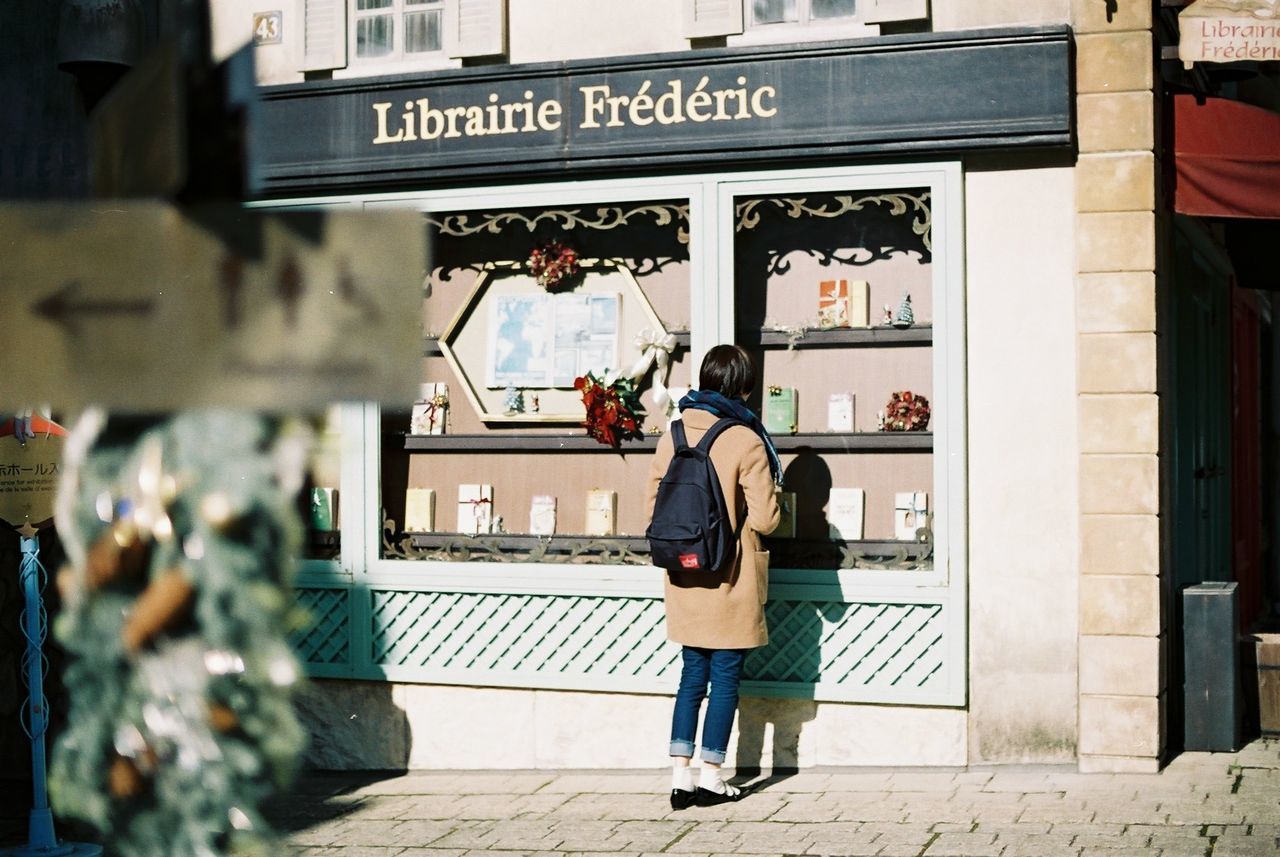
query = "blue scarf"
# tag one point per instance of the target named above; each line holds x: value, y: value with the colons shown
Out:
x: 722, y: 406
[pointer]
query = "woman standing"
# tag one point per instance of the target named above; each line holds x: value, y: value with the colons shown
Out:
x: 718, y: 616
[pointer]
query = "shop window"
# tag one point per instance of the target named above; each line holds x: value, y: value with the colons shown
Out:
x: 397, y: 29
x: 767, y: 12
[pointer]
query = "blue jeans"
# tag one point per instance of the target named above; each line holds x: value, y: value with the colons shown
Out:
x: 723, y: 669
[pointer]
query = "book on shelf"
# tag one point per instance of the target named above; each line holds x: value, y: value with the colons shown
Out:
x: 846, y: 509
x: 780, y: 410
x: 840, y: 412
x: 420, y: 510
x: 542, y: 515
x: 324, y: 509
x: 475, y: 508
x: 602, y: 513
x: 843, y: 303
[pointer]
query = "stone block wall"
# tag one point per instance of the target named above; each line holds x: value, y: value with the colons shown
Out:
x: 1122, y: 638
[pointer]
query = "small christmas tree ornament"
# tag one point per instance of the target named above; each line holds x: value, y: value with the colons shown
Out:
x: 514, y: 402
x: 905, y: 316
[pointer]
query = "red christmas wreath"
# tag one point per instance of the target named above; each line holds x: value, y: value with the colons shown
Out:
x: 906, y: 411
x: 553, y: 264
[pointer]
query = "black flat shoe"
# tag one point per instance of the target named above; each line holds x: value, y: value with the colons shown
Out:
x: 681, y: 799
x: 706, y: 797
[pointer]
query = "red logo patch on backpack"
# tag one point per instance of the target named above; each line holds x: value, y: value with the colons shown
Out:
x: 689, y: 560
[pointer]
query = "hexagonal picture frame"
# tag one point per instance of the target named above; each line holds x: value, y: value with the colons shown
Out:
x: 512, y: 333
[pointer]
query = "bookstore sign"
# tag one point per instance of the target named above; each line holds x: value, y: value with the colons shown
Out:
x: 1223, y: 31
x: 929, y: 92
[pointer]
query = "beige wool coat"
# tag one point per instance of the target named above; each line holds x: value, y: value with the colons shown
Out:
x: 725, y: 609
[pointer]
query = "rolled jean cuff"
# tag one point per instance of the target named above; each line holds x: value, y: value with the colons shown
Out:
x: 715, y: 757
x: 682, y: 748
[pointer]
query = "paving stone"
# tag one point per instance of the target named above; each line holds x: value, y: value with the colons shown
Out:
x: 1036, y: 843
x: 964, y: 845
x: 1245, y: 846
x: 1122, y: 851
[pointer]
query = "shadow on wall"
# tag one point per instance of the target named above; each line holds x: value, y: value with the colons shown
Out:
x: 770, y: 728
x: 353, y: 725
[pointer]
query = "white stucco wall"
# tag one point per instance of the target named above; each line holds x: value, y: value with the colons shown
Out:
x: 549, y: 30
x: 1023, y: 460
x: 967, y: 14
x: 364, y: 724
x: 232, y: 25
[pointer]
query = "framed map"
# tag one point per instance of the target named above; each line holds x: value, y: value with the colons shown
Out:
x: 546, y: 341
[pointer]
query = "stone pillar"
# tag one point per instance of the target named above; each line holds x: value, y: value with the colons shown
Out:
x: 1122, y: 641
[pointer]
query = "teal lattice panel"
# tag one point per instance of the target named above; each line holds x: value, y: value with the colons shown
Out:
x: 560, y: 637
x: 878, y: 648
x: 326, y: 639
x: 592, y: 642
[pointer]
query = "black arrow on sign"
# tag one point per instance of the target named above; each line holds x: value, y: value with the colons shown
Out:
x: 60, y: 308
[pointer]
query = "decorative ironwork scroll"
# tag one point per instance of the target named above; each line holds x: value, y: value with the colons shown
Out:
x: 605, y: 217
x: 624, y: 550
x: 899, y: 204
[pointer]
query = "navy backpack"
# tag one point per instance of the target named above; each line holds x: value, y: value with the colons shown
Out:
x: 690, y: 529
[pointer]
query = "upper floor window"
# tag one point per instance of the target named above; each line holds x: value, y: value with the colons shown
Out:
x: 765, y: 12
x: 396, y: 29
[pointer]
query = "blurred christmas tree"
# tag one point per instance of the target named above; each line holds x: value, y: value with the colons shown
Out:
x: 176, y: 607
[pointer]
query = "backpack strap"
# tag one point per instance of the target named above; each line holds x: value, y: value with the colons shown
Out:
x: 705, y: 445
x: 678, y: 436
x: 714, y: 432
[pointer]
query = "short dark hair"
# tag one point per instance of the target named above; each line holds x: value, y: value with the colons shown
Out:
x: 727, y: 370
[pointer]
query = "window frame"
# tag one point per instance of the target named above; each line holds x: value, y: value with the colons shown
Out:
x: 397, y: 61
x: 806, y: 29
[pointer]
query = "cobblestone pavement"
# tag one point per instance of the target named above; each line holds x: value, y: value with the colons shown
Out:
x: 1201, y: 805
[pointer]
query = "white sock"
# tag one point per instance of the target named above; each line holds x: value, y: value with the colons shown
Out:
x: 682, y: 777
x: 709, y: 779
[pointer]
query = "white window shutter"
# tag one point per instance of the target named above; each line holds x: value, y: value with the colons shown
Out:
x: 475, y: 28
x: 324, y: 34
x: 708, y: 18
x: 883, y: 11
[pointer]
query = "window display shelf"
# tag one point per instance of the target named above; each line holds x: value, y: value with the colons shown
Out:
x: 431, y: 344
x: 838, y: 553
x: 916, y: 441
x: 840, y: 337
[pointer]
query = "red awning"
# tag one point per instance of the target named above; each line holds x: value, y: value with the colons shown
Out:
x: 1227, y: 156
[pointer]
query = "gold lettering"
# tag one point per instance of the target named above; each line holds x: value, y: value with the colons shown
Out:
x: 697, y: 101
x: 593, y: 98
x: 616, y: 103
x: 407, y: 118
x: 641, y: 102
x: 668, y: 108
x: 721, y: 95
x: 492, y: 110
x: 508, y: 121
x: 475, y: 122
x: 452, y: 115
x: 430, y: 120
x: 383, y: 137
x: 549, y: 115
x: 527, y: 107
x: 744, y: 109
x: 758, y: 108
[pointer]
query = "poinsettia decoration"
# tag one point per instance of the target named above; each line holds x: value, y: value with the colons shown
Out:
x: 906, y: 411
x: 553, y: 264
x: 613, y: 409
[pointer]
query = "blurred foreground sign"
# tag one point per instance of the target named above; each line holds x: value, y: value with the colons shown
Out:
x: 140, y: 306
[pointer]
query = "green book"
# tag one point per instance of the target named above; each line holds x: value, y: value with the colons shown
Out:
x: 780, y: 410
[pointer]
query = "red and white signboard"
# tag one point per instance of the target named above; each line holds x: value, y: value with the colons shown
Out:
x: 1225, y: 31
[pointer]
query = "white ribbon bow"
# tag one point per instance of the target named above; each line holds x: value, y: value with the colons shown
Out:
x: 654, y: 348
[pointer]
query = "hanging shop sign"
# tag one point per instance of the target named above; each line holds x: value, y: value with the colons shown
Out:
x: 141, y: 306
x: 1229, y: 31
x: 925, y: 92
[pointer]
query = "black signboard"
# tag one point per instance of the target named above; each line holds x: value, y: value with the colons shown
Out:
x: 782, y: 104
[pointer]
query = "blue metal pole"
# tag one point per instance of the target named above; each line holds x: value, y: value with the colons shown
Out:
x: 41, y: 841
